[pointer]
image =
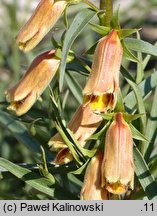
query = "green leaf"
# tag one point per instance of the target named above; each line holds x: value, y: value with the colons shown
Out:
x: 138, y: 95
x: 70, y: 56
x: 66, y: 23
x: 84, y: 64
x: 145, y: 178
x: 145, y: 88
x: 74, y: 87
x: 102, y: 30
x: 127, y: 54
x: 131, y: 117
x: 120, y: 104
x: 31, y: 178
x: 151, y: 128
x: 76, y: 149
x: 140, y: 46
x: 85, y: 152
x: 97, y: 136
x: 153, y: 167
x: 140, y: 70
x: 126, y: 32
x: 43, y: 167
x: 115, y: 20
x: 77, y: 67
x: 19, y: 131
x: 137, y: 135
x: 69, y: 144
x: 91, y: 50
x: 81, y: 169
x: 107, y: 116
x: 54, y: 42
x: 78, y: 24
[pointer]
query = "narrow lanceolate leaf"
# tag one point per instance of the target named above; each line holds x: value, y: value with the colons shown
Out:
x: 137, y: 135
x: 153, y: 166
x: 70, y: 145
x: 140, y: 70
x: 115, y: 20
x: 151, y: 128
x: 100, y: 29
x: 99, y: 134
x: 91, y: 50
x: 78, y: 24
x: 31, y: 178
x: 145, y: 87
x: 145, y: 178
x: 120, y: 105
x: 74, y: 87
x: 81, y: 169
x: 127, y: 54
x: 126, y: 32
x: 140, y: 104
x: 19, y: 131
x: 129, y: 117
x: 140, y: 46
x: 138, y: 95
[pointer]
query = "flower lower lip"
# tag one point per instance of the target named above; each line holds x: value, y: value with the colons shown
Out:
x: 116, y: 188
x: 15, y: 105
x: 24, y: 44
x: 99, y: 102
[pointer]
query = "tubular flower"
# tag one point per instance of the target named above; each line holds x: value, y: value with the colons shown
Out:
x: 43, y: 19
x: 92, y: 189
x: 83, y: 124
x: 38, y: 76
x: 103, y: 83
x: 117, y: 166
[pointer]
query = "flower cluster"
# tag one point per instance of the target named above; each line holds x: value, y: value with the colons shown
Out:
x: 111, y: 170
x: 38, y: 76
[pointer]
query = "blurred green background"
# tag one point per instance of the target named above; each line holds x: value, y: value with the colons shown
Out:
x: 13, y: 64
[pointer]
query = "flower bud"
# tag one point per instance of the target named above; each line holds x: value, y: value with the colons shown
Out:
x: 103, y: 83
x: 92, y: 189
x: 43, y: 19
x: 38, y: 76
x: 118, y: 166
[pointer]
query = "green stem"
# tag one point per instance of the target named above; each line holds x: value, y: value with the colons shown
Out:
x: 91, y: 5
x: 107, y: 6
